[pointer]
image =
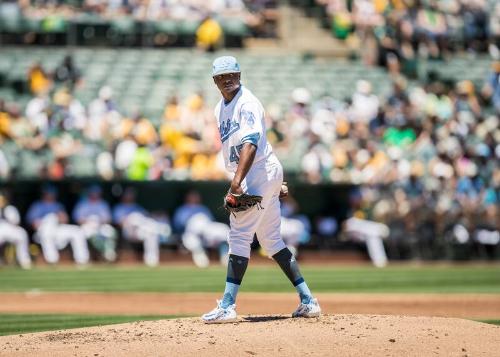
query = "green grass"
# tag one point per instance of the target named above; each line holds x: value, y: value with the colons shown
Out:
x: 402, y: 279
x: 24, y: 323
x: 493, y: 322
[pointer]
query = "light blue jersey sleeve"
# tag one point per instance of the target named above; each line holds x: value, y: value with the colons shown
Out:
x: 251, y: 123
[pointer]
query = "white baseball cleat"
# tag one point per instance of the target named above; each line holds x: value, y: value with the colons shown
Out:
x: 220, y: 315
x: 311, y: 309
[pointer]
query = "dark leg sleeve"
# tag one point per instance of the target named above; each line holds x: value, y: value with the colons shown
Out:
x: 236, y: 268
x: 289, y: 265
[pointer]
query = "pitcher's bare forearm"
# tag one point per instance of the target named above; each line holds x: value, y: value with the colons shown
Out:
x: 247, y: 155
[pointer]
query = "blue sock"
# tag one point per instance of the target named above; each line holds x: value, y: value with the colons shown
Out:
x: 288, y: 264
x: 229, y: 297
x: 304, y: 292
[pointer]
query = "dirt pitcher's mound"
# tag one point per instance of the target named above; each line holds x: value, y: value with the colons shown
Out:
x: 334, y: 335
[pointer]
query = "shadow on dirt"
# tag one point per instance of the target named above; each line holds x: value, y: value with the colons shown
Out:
x: 264, y: 318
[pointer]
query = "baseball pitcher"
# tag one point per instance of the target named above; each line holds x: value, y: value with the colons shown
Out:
x: 253, y: 197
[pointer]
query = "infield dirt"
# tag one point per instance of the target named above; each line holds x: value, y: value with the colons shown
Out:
x: 472, y: 306
x: 331, y: 335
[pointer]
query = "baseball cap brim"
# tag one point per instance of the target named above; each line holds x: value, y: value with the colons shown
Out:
x: 225, y: 72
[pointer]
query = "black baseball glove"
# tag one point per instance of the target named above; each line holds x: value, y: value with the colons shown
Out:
x: 237, y: 203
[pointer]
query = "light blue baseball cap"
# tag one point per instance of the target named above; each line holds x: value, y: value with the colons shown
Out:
x: 225, y: 64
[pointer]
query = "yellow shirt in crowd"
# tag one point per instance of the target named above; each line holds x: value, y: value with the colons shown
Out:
x: 209, y: 33
x: 39, y: 83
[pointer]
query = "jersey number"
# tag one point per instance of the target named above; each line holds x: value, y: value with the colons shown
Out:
x: 234, y: 155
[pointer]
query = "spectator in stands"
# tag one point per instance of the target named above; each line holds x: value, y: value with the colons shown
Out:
x: 491, y: 87
x: 124, y: 154
x: 172, y: 111
x: 195, y: 116
x: 366, y: 16
x: 12, y: 232
x: 432, y: 29
x: 104, y: 116
x: 4, y: 120
x: 48, y: 218
x: 140, y: 128
x: 4, y: 166
x: 141, y: 163
x: 494, y: 31
x: 199, y: 230
x: 466, y: 103
x: 137, y: 225
x: 365, y: 104
x: 20, y: 129
x: 67, y: 73
x: 475, y: 19
x: 39, y: 81
x: 37, y: 112
x: 299, y: 112
x: 209, y: 35
x: 93, y: 214
x: 68, y: 113
x: 317, y: 161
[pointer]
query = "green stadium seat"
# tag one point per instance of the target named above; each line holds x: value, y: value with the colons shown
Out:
x: 169, y: 27
x: 234, y: 27
x: 188, y: 27
x: 82, y: 166
x: 32, y: 24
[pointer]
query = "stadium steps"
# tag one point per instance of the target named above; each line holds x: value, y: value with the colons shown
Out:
x: 304, y: 34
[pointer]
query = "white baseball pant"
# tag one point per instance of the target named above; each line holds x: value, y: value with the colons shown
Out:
x: 200, y: 233
x: 54, y: 237
x: 291, y: 230
x: 264, y: 180
x: 209, y: 233
x: 136, y: 226
x: 11, y: 233
x: 372, y: 234
x: 105, y: 233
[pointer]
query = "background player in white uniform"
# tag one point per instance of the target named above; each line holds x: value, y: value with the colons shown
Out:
x: 295, y: 228
x: 138, y: 225
x: 93, y: 214
x: 199, y: 230
x: 366, y: 231
x: 49, y: 219
x: 11, y: 232
x: 257, y: 171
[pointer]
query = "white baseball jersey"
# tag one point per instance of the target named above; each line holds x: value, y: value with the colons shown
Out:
x: 242, y: 121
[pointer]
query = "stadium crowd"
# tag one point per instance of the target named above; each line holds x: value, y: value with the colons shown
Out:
x: 394, y: 33
x: 55, y: 14
x: 141, y: 10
